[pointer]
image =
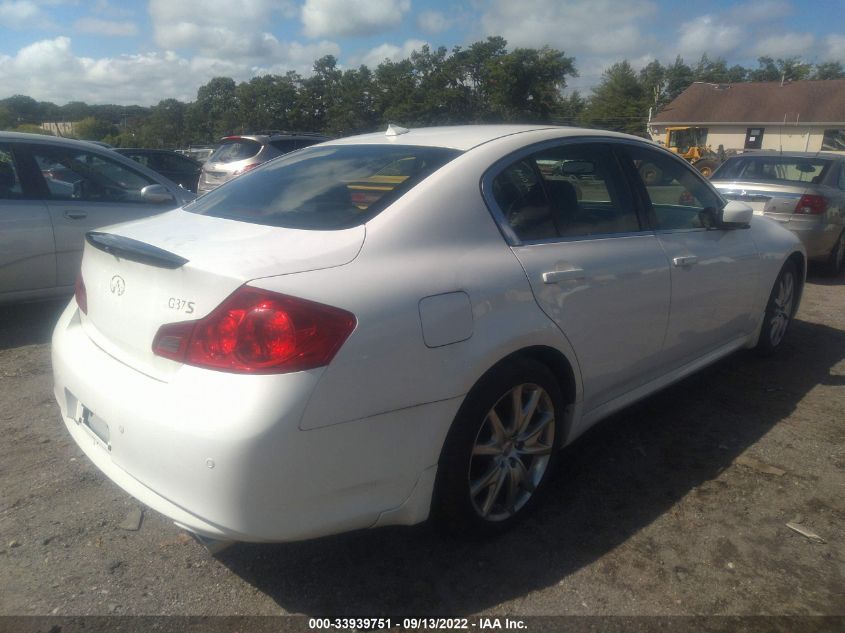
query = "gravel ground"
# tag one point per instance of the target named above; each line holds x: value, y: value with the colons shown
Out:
x: 677, y: 505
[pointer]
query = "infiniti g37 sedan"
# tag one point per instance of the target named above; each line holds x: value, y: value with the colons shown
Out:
x: 388, y: 327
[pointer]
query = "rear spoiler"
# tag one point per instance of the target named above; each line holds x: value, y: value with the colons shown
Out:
x: 133, y: 250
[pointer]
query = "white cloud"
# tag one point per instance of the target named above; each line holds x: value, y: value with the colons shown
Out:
x: 23, y: 14
x: 600, y: 27
x: 377, y: 55
x: 109, y: 28
x: 225, y: 29
x: 49, y: 70
x: 229, y: 37
x: 834, y: 48
x: 711, y: 35
x: 433, y: 22
x: 785, y: 45
x: 331, y: 18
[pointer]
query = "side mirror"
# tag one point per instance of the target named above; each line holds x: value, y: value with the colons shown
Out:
x: 735, y: 215
x: 156, y: 194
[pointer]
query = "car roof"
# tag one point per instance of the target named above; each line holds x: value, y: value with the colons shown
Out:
x: 52, y: 140
x: 465, y: 137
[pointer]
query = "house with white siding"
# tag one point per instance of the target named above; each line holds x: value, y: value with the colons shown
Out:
x: 788, y: 116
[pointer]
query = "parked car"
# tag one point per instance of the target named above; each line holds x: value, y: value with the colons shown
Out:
x: 239, y: 154
x: 180, y: 169
x: 284, y: 358
x: 52, y: 191
x: 198, y: 153
x: 804, y: 191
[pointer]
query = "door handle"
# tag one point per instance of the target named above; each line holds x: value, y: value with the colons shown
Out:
x: 556, y: 276
x: 686, y: 260
x: 76, y: 215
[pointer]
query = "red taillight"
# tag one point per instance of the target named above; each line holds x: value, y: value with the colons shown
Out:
x: 810, y: 204
x: 81, y: 295
x: 245, y: 169
x: 258, y: 331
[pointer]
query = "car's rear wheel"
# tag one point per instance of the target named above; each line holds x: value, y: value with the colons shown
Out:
x: 780, y: 309
x: 500, y: 450
x: 837, y: 257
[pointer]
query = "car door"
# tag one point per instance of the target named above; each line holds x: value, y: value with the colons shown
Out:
x: 593, y: 267
x: 27, y: 246
x: 87, y: 190
x: 714, y: 270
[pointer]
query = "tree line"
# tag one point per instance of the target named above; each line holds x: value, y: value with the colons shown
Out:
x: 481, y: 83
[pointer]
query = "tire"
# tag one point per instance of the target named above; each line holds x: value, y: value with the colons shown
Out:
x: 706, y: 167
x: 651, y: 174
x: 495, y: 462
x: 780, y: 309
x: 836, y: 263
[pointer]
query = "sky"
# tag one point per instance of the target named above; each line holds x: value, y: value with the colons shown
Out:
x: 140, y: 52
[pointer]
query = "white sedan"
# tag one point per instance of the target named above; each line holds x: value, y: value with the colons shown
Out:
x: 388, y: 327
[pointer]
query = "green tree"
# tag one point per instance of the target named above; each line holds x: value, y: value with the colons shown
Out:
x: 829, y: 70
x: 619, y: 102
x: 678, y: 77
x: 91, y: 129
x: 215, y: 111
x: 525, y: 84
x: 266, y: 102
x: 7, y: 121
x: 22, y: 108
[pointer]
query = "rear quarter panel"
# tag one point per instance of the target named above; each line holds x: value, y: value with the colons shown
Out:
x: 439, y: 238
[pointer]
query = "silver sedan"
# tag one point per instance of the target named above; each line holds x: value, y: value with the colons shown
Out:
x: 803, y: 191
x: 53, y: 190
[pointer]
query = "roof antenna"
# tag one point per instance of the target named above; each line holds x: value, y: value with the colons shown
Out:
x: 395, y: 130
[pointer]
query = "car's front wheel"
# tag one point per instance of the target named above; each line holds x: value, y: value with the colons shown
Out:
x: 500, y: 450
x: 783, y: 301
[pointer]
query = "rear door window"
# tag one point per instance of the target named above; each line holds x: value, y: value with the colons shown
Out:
x: 323, y: 188
x: 569, y: 191
x: 233, y: 150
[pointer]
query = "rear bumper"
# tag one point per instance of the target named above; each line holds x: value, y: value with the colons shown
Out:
x: 223, y: 456
x: 818, y: 237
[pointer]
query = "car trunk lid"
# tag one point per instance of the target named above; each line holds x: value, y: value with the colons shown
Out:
x: 179, y: 266
x: 775, y: 201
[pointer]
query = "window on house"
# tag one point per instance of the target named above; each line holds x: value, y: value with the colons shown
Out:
x: 754, y: 138
x: 834, y: 140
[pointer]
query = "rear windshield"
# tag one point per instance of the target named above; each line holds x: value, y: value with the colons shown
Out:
x: 773, y: 168
x: 323, y: 188
x: 232, y: 150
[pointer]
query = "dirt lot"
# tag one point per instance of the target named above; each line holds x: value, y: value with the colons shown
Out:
x: 650, y: 514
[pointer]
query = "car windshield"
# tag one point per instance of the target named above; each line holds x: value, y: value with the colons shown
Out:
x: 232, y: 150
x: 787, y: 169
x: 324, y: 188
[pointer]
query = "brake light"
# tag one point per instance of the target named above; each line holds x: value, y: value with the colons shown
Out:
x: 258, y: 331
x: 245, y: 169
x: 81, y: 294
x: 811, y: 204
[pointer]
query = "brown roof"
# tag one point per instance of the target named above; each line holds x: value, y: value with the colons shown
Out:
x: 758, y: 102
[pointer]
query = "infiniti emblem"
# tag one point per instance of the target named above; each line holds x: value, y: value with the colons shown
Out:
x: 117, y: 285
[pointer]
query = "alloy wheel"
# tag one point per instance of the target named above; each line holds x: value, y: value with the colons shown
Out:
x: 782, y: 308
x: 511, y: 452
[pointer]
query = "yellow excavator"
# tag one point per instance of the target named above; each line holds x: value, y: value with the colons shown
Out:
x: 689, y: 143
